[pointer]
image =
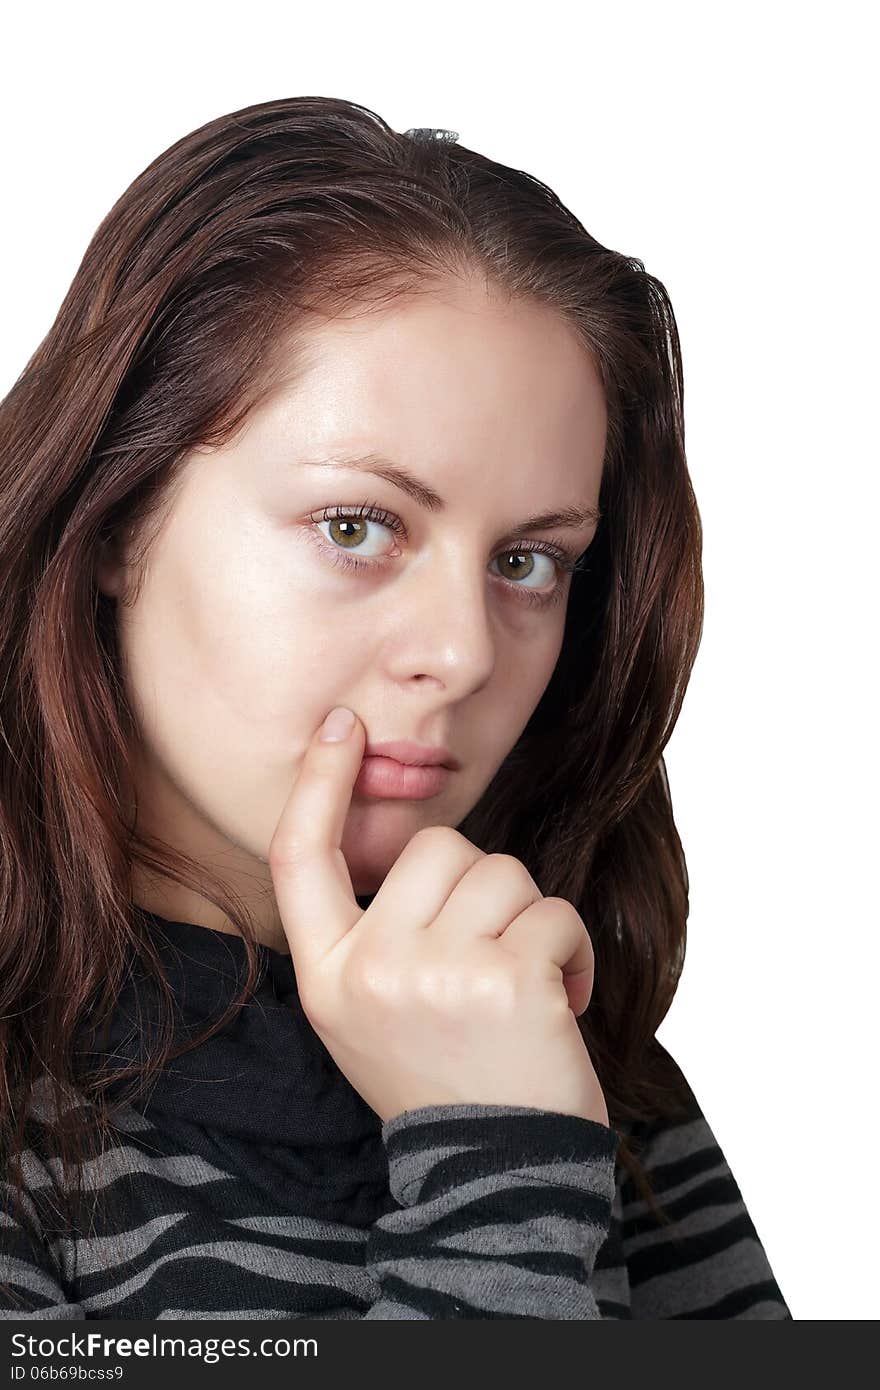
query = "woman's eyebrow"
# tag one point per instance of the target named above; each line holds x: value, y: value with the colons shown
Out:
x: 573, y: 517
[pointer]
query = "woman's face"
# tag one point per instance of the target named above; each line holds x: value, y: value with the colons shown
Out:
x: 246, y: 632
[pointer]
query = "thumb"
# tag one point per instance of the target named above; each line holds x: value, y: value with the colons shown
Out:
x: 312, y: 884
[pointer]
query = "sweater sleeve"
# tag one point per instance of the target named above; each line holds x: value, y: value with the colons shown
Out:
x: 502, y: 1210
x: 708, y: 1261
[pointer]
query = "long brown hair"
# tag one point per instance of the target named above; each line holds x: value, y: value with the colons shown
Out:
x: 217, y: 253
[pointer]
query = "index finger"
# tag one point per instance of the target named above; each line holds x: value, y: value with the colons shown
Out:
x: 312, y: 884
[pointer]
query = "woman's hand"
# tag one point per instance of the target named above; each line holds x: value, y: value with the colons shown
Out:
x: 459, y: 983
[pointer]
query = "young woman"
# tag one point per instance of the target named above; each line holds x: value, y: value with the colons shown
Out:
x: 333, y: 416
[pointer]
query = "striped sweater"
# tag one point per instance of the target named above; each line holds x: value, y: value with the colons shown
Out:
x: 222, y: 1197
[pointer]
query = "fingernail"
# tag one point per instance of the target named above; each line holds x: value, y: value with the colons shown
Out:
x: 338, y: 725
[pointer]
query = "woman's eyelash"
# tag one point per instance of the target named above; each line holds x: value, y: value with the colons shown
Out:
x: 373, y: 512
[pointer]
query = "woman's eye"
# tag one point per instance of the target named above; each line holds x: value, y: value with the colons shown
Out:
x: 519, y: 566
x: 349, y: 532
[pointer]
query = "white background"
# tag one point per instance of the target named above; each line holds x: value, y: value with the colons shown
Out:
x: 734, y: 152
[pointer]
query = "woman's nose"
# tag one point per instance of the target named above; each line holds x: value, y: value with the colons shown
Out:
x: 447, y: 631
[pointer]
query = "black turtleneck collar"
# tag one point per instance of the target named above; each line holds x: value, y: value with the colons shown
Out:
x: 263, y: 1095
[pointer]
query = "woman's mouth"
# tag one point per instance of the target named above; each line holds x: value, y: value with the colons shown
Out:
x: 389, y: 779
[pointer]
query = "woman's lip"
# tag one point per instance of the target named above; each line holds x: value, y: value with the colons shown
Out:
x: 406, y: 750
x: 386, y: 778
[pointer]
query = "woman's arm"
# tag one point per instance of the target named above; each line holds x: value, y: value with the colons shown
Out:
x: 502, y: 1211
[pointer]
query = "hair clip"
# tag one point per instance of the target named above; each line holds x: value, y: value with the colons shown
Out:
x: 421, y: 132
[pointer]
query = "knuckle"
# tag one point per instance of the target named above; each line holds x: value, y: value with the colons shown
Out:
x: 512, y: 868
x: 439, y: 985
x: 512, y: 985
x: 436, y: 836
x: 495, y: 975
x: 371, y: 977
x: 563, y: 908
x: 563, y: 914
